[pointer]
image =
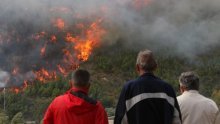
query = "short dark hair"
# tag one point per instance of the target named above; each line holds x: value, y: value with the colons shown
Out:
x: 190, y: 80
x: 81, y: 78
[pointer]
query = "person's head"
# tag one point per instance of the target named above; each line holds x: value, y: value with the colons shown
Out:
x: 81, y: 78
x: 145, y: 62
x: 189, y: 81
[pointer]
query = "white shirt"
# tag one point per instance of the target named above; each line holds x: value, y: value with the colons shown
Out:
x: 197, y: 109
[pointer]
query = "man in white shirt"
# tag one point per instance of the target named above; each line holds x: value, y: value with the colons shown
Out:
x: 195, y: 108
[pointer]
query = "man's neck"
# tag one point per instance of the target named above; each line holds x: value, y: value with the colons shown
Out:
x: 191, y: 91
x: 82, y: 89
x: 144, y: 72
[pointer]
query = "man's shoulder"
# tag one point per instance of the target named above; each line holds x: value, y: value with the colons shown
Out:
x: 155, y: 81
x: 58, y: 101
x: 206, y: 100
x: 167, y: 88
x: 60, y: 98
x: 210, y: 102
x: 156, y: 85
x: 129, y: 83
x: 99, y: 104
x: 202, y: 100
x: 180, y: 98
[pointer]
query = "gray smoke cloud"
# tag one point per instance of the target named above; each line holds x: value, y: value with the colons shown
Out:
x: 187, y: 27
x: 4, y: 78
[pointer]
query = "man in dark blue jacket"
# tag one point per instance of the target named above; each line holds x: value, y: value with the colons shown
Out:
x: 147, y: 99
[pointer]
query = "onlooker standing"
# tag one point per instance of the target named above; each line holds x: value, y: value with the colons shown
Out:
x: 195, y: 108
x: 75, y: 107
x: 147, y: 99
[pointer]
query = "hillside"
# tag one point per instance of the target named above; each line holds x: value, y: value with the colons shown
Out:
x: 111, y: 66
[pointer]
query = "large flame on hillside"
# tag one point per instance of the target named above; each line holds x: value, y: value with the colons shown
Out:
x: 78, y: 42
x: 58, y: 45
x: 84, y: 46
x: 78, y: 50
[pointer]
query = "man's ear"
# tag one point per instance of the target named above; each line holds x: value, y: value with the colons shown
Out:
x: 182, y: 89
x: 137, y: 68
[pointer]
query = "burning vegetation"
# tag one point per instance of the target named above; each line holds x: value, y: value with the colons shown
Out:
x: 40, y: 41
x: 55, y: 50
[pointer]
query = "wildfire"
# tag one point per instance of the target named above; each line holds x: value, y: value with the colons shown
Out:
x: 84, y: 49
x: 70, y: 38
x: 85, y: 45
x: 25, y: 85
x: 53, y: 38
x: 59, y: 23
x: 44, y: 75
x: 39, y: 35
x: 62, y: 46
x: 76, y: 44
x: 16, y: 90
x: 78, y: 49
x: 15, y: 71
x: 43, y: 50
x: 61, y: 69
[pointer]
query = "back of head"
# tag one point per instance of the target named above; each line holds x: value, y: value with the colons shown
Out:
x: 146, y: 61
x: 190, y: 80
x: 81, y: 78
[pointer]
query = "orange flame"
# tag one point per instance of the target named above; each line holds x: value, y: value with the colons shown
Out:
x: 44, y: 75
x: 39, y: 35
x: 43, y: 50
x: 84, y: 49
x: 79, y: 46
x: 53, y: 38
x: 70, y: 38
x: 25, y: 85
x: 61, y: 69
x: 15, y: 71
x: 85, y: 45
x: 59, y: 23
x: 16, y: 90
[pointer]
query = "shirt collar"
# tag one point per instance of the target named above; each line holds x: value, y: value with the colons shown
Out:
x: 191, y: 91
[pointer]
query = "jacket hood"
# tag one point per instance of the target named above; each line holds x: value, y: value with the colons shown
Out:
x: 78, y: 105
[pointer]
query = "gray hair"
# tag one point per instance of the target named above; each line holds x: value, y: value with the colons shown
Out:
x: 146, y: 60
x: 190, y: 80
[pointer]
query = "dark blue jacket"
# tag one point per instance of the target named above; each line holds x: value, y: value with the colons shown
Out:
x: 147, y: 100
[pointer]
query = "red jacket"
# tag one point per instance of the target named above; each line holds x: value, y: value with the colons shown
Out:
x: 70, y: 109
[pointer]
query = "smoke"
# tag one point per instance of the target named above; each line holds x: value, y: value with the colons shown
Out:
x: 187, y: 27
x: 4, y: 77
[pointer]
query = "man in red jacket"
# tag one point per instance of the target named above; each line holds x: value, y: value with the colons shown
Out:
x: 75, y: 107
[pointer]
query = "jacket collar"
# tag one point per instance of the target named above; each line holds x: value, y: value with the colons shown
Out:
x: 147, y: 74
x: 75, y: 89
